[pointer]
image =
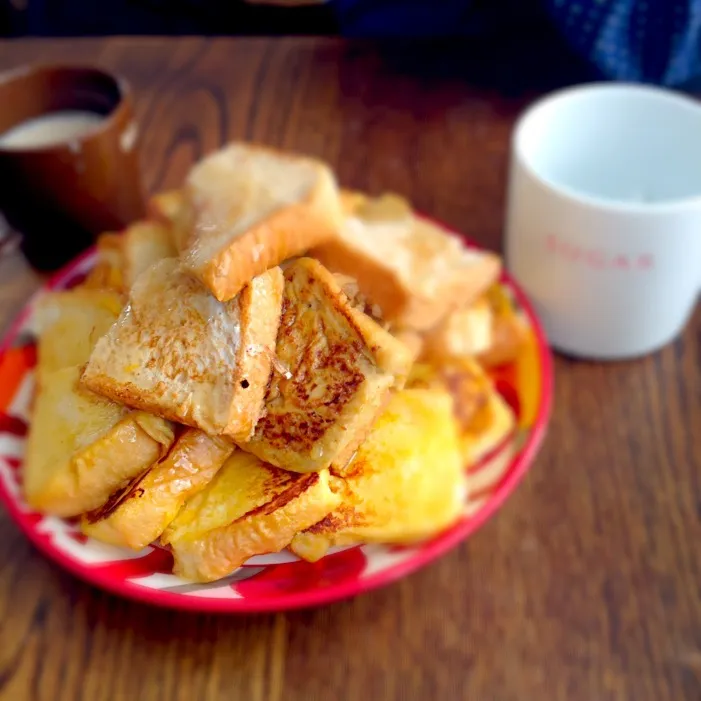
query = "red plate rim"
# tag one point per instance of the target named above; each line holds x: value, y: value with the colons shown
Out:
x: 314, y: 597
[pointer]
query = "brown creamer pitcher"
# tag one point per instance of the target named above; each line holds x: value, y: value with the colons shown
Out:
x: 60, y: 192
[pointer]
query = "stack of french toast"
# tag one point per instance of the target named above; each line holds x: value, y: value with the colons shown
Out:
x: 268, y: 362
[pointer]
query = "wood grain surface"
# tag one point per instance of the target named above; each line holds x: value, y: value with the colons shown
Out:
x: 585, y: 587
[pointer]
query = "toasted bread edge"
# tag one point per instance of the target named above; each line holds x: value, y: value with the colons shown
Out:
x: 286, y: 233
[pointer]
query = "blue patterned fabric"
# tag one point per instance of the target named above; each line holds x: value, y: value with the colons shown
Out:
x: 654, y: 41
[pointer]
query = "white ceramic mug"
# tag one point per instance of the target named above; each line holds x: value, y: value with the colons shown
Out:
x: 604, y: 216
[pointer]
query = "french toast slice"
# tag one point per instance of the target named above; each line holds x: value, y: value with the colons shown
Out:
x: 250, y: 208
x: 509, y: 334
x: 170, y: 208
x: 123, y: 256
x: 83, y: 447
x: 492, y: 424
x: 144, y: 243
x: 108, y: 271
x: 489, y: 330
x: 138, y: 514
x: 509, y: 330
x: 405, y: 483
x: 465, y: 332
x: 413, y: 340
x: 412, y: 269
x: 484, y: 418
x: 337, y: 368
x: 249, y: 508
x: 179, y: 353
x: 68, y: 323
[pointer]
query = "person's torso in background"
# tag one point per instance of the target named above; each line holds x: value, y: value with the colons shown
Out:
x: 656, y: 41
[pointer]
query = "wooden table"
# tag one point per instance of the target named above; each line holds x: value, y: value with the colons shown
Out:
x: 585, y: 587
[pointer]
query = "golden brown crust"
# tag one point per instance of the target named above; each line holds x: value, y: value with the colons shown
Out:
x: 138, y: 514
x: 414, y: 270
x: 260, y: 308
x: 297, y: 487
x: 131, y: 491
x: 82, y: 447
x: 339, y: 368
x: 268, y: 528
x: 271, y: 237
x: 249, y: 508
x: 181, y: 355
x: 376, y: 281
x: 287, y: 233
